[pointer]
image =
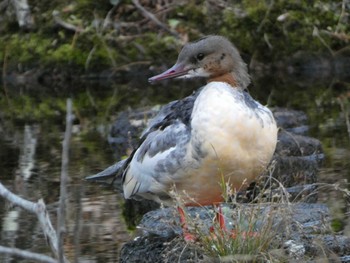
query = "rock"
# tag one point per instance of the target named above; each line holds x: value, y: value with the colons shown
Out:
x: 165, y: 222
x: 296, y: 250
x: 303, y: 225
x: 158, y: 249
x: 145, y: 249
x: 291, y: 144
x: 290, y: 119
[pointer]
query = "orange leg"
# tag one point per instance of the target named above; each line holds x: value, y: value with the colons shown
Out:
x: 187, y: 235
x: 219, y: 217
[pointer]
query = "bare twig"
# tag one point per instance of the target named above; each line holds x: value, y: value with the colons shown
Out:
x: 19, y: 201
x: 39, y: 209
x: 316, y: 33
x: 152, y: 17
x: 108, y: 19
x: 346, y: 114
x: 89, y: 57
x: 61, y: 228
x: 59, y: 21
x: 342, y: 14
x: 4, y: 72
x: 267, y: 13
x: 341, y: 36
x: 26, y: 254
x: 102, y: 39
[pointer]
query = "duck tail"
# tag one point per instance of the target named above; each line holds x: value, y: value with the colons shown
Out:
x: 108, y: 173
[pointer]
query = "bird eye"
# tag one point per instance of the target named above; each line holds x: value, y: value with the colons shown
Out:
x: 200, y: 56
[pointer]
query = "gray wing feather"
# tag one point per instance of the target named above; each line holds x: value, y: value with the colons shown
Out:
x: 107, y: 173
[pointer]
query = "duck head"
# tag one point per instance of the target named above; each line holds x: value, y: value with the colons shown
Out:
x: 212, y: 57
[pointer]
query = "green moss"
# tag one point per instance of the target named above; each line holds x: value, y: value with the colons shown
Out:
x: 337, y: 225
x: 25, y: 48
x: 28, y: 108
x: 251, y: 24
x: 66, y: 53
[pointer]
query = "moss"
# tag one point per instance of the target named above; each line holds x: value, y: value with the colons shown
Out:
x: 29, y: 108
x: 191, y: 15
x: 251, y: 24
x: 66, y: 53
x: 164, y: 45
x: 26, y: 47
x: 337, y: 225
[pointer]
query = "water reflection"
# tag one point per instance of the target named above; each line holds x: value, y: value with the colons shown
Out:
x: 95, y: 226
x: 28, y: 149
x: 30, y: 142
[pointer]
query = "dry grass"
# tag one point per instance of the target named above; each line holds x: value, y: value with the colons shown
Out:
x: 258, y: 231
x: 251, y: 230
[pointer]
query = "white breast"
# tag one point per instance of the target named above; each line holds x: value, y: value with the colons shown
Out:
x: 234, y: 129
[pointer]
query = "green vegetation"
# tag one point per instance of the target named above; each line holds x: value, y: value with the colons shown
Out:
x: 97, y: 35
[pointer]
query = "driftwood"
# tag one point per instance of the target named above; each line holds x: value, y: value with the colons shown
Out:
x: 39, y: 209
x: 55, y: 240
x: 61, y: 226
x: 26, y: 254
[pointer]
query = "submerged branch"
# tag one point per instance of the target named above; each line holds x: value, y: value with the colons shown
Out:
x: 26, y: 254
x: 39, y: 209
x: 61, y: 228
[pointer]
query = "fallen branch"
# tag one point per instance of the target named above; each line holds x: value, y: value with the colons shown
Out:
x: 59, y: 21
x: 341, y: 36
x: 39, y: 209
x: 152, y: 17
x: 26, y: 254
x: 61, y: 228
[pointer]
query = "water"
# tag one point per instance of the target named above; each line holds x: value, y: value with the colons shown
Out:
x: 32, y: 126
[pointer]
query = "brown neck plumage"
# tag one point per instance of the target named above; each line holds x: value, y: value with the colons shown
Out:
x: 227, y: 77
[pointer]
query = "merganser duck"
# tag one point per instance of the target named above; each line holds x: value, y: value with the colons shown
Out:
x: 220, y: 134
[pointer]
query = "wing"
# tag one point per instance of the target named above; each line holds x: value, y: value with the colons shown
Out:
x: 162, y: 150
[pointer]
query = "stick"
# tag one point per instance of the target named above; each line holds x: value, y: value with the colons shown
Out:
x: 61, y: 228
x: 39, y: 209
x: 152, y: 17
x: 26, y: 254
x: 59, y: 21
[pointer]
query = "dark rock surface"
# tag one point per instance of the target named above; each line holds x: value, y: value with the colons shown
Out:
x: 160, y: 239
x: 307, y: 227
